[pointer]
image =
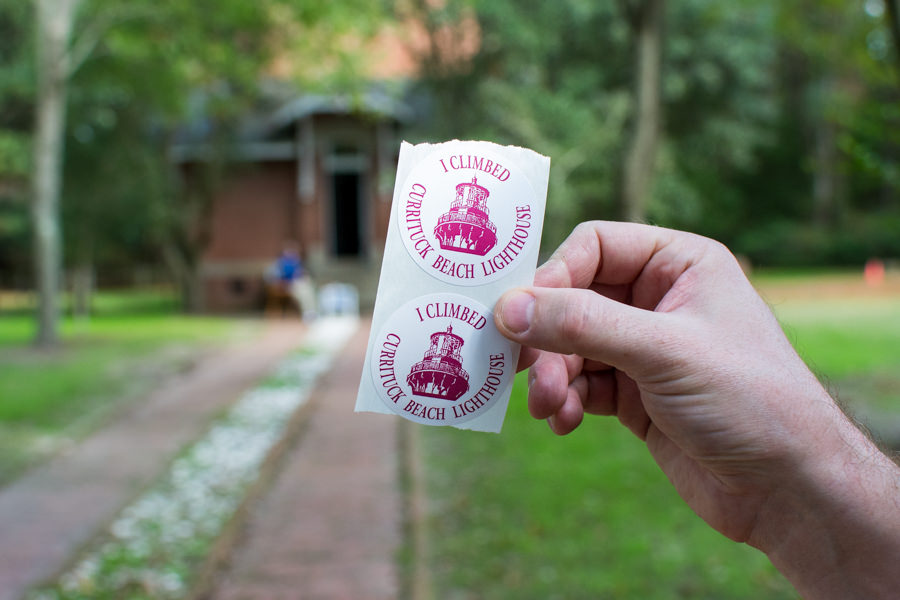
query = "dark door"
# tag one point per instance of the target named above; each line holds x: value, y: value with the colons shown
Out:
x: 346, y: 218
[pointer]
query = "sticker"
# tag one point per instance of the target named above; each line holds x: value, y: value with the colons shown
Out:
x: 465, y: 215
x: 439, y: 360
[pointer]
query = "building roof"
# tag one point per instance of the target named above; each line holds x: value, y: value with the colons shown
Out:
x: 267, y: 132
x: 375, y: 102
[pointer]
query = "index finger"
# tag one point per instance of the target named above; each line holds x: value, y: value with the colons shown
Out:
x: 607, y: 255
x: 601, y: 252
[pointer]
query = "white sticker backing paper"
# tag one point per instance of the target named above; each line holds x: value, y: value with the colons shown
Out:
x: 465, y: 227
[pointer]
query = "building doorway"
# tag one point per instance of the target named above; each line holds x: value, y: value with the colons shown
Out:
x: 346, y: 218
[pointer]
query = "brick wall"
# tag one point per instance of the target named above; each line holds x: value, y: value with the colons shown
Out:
x: 258, y: 209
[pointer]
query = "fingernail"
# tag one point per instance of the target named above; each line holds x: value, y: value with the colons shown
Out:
x: 517, y: 311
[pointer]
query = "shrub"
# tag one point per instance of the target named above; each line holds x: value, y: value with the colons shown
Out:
x: 791, y: 244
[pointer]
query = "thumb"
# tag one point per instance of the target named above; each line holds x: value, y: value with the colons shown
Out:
x: 583, y: 322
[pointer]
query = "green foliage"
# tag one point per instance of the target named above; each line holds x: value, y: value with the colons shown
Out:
x: 15, y: 151
x: 549, y: 76
x: 132, y: 92
x: 778, y: 116
x: 764, y: 104
x: 14, y: 233
x: 786, y: 243
x: 16, y: 89
x: 556, y: 77
x: 140, y: 71
x: 720, y: 107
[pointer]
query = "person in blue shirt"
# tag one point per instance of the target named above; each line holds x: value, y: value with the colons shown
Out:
x: 294, y: 281
x: 289, y: 265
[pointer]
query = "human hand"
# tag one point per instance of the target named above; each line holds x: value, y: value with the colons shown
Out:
x: 662, y: 329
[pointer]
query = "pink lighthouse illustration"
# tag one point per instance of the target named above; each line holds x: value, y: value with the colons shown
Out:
x: 440, y: 373
x: 466, y: 227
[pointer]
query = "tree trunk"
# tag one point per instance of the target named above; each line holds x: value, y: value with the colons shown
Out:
x: 826, y: 176
x: 185, y: 269
x: 892, y: 13
x: 83, y: 279
x: 54, y: 26
x: 647, y: 32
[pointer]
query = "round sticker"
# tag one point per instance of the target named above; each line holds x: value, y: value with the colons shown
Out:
x: 439, y: 360
x: 466, y: 214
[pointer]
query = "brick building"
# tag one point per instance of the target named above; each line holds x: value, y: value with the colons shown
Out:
x: 316, y: 170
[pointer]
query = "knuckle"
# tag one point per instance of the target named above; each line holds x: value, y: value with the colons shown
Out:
x: 584, y: 228
x: 720, y: 252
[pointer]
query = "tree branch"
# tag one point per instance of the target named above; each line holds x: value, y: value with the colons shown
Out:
x: 90, y: 37
x: 84, y: 46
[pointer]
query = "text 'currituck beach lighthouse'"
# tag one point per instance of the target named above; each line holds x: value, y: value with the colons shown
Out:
x: 440, y: 373
x: 466, y: 227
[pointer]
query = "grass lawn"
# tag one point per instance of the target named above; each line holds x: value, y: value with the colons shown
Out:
x: 839, y: 338
x: 525, y: 514
x: 528, y: 515
x: 850, y: 337
x: 49, y: 397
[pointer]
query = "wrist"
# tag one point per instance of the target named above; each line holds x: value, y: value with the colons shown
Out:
x: 833, y: 529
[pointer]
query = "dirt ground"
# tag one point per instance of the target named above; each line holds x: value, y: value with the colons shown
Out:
x: 827, y: 286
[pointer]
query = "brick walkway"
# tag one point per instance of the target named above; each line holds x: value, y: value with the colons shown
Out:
x: 330, y: 527
x: 50, y: 513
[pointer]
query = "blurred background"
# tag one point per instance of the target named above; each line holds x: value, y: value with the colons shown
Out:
x: 158, y: 156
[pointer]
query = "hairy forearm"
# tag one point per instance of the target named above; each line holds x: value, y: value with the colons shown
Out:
x: 834, y: 529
